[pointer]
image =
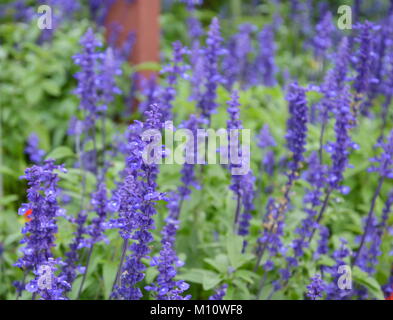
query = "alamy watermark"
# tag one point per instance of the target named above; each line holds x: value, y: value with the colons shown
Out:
x: 199, y: 147
x: 45, y: 276
x: 344, y: 21
x: 44, y: 21
x: 345, y: 279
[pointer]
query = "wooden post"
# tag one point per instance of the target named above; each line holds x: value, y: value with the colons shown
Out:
x: 142, y: 18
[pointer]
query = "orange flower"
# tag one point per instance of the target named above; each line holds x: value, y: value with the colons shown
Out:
x: 390, y: 297
x: 27, y: 215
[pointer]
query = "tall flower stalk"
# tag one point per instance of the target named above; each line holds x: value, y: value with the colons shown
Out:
x: 242, y: 185
x: 136, y: 212
x: 384, y: 167
x: 41, y: 227
x: 212, y: 52
x: 173, y: 71
x: 332, y: 87
x: 296, y: 142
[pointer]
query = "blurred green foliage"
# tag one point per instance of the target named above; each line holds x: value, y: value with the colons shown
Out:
x: 36, y: 84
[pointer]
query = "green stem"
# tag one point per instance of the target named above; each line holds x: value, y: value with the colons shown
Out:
x: 85, y: 273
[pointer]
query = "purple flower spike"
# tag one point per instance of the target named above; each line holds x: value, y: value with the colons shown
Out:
x: 137, y: 196
x: 265, y: 139
x: 343, y: 144
x: 316, y: 288
x: 363, y: 58
x: 87, y: 78
x: 296, y: 126
x: 213, y: 50
x: 265, y: 63
x: 106, y: 80
x: 323, y: 35
x: 316, y: 177
x: 70, y: 266
x: 176, y: 69
x: 220, y: 293
x: 384, y: 163
x: 99, y: 202
x: 166, y: 288
x: 334, y: 81
x: 42, y: 210
x: 32, y: 149
x: 46, y: 284
x: 242, y: 185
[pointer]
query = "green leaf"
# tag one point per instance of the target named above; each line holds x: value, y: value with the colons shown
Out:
x: 234, y: 248
x: 193, y: 275
x: 326, y: 261
x: 210, y: 280
x: 151, y: 274
x: 207, y: 278
x: 51, y: 88
x: 370, y: 283
x: 246, y: 275
x: 33, y: 95
x: 60, y: 152
x: 220, y: 263
x: 109, y: 272
x: 8, y: 199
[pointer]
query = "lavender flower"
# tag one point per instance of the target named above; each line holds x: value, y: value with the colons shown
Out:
x: 300, y: 15
x: 265, y: 63
x: 188, y: 178
x: 53, y: 287
x: 316, y: 288
x: 236, y: 65
x: 385, y: 170
x: 195, y: 29
x: 343, y: 144
x: 379, y: 46
x: 106, y: 80
x: 331, y: 88
x: 384, y: 162
x: 323, y: 243
x: 213, y: 50
x: 296, y: 126
x: 269, y: 162
x: 220, y: 293
x: 87, y: 79
x: 138, y: 214
x: 42, y: 208
x: 166, y: 288
x: 32, y: 149
x: 333, y: 292
x: 149, y: 90
x: 173, y: 71
x: 70, y: 265
x: 363, y: 59
x: 335, y: 79
x: 274, y: 229
x: 242, y: 185
x: 265, y: 139
x: 270, y: 238
x: 368, y: 257
x: 322, y: 40
x: 388, y: 289
x: 316, y: 177
x: 198, y: 71
x: 99, y: 202
x: 229, y: 66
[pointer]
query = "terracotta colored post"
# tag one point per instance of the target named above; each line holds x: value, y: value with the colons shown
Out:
x: 142, y: 18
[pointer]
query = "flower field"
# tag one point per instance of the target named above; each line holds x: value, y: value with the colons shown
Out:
x: 253, y: 161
